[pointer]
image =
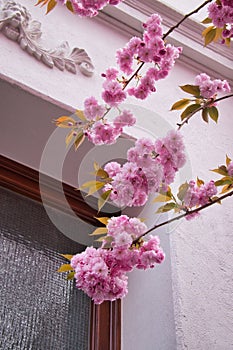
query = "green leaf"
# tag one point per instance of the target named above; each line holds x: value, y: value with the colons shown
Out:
x: 142, y: 219
x: 95, y: 188
x: 51, y: 5
x: 166, y: 207
x: 69, y: 6
x: 79, y: 140
x: 40, y: 2
x: 88, y: 184
x: 180, y: 104
x: 189, y: 110
x: 207, y: 30
x: 226, y: 188
x: 222, y: 170
x: 169, y: 191
x: 69, y: 137
x: 99, y: 231
x: 209, y: 36
x: 213, y: 113
x: 103, y: 199
x: 96, y: 166
x: 228, y: 42
x: 107, y: 241
x: 65, y: 268
x: 162, y: 198
x: 182, y: 191
x: 103, y: 238
x: 191, y: 89
x: 67, y: 256
x: 218, y: 34
x: 81, y: 115
x: 199, y: 182
x: 65, y: 122
x: 216, y: 198
x: 224, y: 181
x: 204, y: 115
x: 103, y: 220
x: 207, y: 20
x: 101, y: 173
x: 70, y: 275
x: 228, y: 160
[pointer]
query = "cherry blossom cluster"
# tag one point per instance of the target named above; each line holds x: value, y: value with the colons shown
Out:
x: 150, y: 49
x: 198, y: 195
x: 222, y: 16
x: 150, y: 166
x: 99, y: 130
x: 230, y: 169
x: 209, y: 88
x: 90, y: 8
x: 101, y: 273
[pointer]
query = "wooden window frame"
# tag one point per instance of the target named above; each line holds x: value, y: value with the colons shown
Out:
x: 105, y: 319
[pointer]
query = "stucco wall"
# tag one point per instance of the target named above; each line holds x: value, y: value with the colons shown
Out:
x: 199, y: 274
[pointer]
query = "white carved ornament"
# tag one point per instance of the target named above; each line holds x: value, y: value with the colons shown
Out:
x: 17, y: 25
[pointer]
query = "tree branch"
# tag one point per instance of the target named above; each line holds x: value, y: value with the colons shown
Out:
x: 185, y: 17
x: 223, y: 98
x: 217, y: 200
x: 186, y: 120
x: 133, y: 75
x: 207, y: 104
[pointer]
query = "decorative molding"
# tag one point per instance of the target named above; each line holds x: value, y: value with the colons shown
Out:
x: 215, y: 60
x: 105, y: 319
x: 16, y: 24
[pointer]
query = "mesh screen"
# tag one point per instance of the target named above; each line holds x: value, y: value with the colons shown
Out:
x: 39, y: 309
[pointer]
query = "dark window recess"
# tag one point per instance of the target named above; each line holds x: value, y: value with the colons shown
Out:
x: 39, y: 309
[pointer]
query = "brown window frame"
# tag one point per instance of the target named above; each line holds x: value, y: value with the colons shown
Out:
x: 105, y: 319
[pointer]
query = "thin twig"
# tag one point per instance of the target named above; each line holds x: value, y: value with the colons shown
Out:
x: 185, y: 121
x: 133, y: 75
x: 185, y: 17
x: 210, y: 102
x: 223, y: 98
x: 217, y: 200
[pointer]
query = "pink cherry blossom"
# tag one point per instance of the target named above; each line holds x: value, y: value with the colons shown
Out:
x: 90, y: 8
x: 92, y: 109
x: 150, y: 165
x: 112, y: 168
x: 171, y: 156
x: 221, y: 14
x: 101, y: 273
x: 125, y: 60
x: 209, y: 88
x: 198, y: 195
x: 110, y: 74
x: 230, y: 169
x: 126, y: 118
x: 113, y: 93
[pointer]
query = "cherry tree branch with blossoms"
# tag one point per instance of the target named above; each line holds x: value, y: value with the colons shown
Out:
x: 151, y: 166
x: 188, y: 212
x: 209, y: 103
